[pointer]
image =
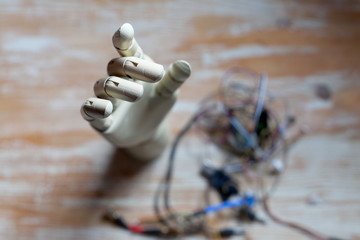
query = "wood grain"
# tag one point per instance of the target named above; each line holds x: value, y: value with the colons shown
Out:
x: 57, y: 175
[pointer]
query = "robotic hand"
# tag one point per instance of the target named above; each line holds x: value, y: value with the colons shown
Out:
x: 132, y: 102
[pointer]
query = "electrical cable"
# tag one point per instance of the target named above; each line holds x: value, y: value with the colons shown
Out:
x: 240, y: 121
x: 261, y: 99
x: 306, y: 231
x: 207, y: 110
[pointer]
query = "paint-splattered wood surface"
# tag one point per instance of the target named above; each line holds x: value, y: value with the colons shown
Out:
x: 57, y: 175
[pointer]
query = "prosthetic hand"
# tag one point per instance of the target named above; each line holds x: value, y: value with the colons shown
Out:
x: 130, y: 104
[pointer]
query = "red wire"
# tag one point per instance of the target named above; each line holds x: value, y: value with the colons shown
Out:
x: 136, y: 229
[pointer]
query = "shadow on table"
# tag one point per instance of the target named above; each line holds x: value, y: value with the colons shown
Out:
x: 116, y: 183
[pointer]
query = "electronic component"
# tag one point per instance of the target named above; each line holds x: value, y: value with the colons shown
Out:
x: 224, y: 185
x: 229, y: 232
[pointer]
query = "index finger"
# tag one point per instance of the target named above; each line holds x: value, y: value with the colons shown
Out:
x: 125, y: 43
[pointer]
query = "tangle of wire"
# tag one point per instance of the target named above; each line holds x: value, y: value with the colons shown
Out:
x: 240, y: 122
x: 221, y: 117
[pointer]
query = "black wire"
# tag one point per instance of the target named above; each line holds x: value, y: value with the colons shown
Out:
x: 164, y: 187
x: 165, y: 183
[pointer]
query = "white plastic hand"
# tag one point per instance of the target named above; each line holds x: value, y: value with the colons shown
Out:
x: 132, y: 102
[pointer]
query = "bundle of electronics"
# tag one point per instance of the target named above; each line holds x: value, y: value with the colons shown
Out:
x: 248, y: 126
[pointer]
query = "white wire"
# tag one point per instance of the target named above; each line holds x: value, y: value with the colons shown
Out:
x: 261, y: 99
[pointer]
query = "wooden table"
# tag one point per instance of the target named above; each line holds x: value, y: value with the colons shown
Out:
x: 57, y: 175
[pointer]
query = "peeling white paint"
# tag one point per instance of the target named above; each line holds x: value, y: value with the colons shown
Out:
x: 318, y: 105
x: 342, y: 120
x: 213, y: 57
x: 33, y: 220
x: 29, y: 44
x: 7, y: 227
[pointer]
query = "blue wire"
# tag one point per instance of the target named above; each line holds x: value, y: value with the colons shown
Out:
x: 247, y: 200
x: 240, y: 129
